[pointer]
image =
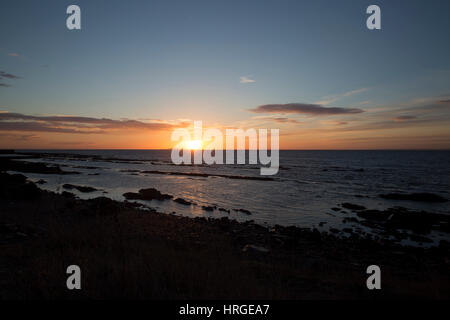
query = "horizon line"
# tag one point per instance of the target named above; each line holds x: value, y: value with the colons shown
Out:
x: 168, y: 149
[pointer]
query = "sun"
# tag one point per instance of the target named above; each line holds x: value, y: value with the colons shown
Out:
x: 194, y: 145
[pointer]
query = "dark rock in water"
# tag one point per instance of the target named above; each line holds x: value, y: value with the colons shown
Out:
x: 182, y: 201
x: 336, y: 209
x: 352, y: 206
x: 225, y: 210
x: 422, y: 197
x: 208, y: 208
x: 32, y: 167
x: 334, y: 230
x: 69, y: 186
x: 41, y: 181
x: 394, y: 219
x: 243, y: 211
x: 147, y: 194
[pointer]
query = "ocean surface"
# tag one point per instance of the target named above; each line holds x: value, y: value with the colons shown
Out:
x: 307, y: 186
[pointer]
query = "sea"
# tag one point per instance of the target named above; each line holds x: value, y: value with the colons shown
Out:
x: 303, y: 193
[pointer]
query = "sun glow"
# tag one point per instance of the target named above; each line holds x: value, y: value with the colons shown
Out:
x: 194, y: 145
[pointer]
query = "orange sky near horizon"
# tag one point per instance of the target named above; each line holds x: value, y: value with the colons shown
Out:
x: 290, y: 138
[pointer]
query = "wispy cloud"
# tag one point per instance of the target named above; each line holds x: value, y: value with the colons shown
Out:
x: 333, y: 98
x: 284, y: 120
x: 5, y: 75
x: 403, y: 118
x: 304, y: 108
x: 13, y: 54
x: 335, y: 123
x: 75, y: 124
x: 244, y: 79
x: 19, y: 137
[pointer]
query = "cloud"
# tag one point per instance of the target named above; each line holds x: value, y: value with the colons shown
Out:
x: 284, y: 120
x: 6, y: 75
x: 246, y: 80
x: 76, y: 124
x: 19, y: 137
x: 336, y: 123
x: 13, y: 54
x: 304, y: 108
x: 403, y: 118
x: 330, y: 99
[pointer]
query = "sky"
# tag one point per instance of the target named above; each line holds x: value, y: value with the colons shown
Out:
x: 137, y: 70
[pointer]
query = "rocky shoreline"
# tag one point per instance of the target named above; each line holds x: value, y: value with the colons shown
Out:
x: 127, y: 252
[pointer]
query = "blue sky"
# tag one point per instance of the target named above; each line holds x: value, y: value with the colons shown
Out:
x: 184, y: 59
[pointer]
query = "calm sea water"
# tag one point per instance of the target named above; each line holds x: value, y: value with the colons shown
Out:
x: 307, y: 186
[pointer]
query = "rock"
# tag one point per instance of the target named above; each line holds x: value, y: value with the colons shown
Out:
x: 394, y: 219
x: 69, y: 186
x: 41, y: 181
x: 32, y: 167
x: 147, y: 194
x: 352, y: 206
x: 249, y: 248
x: 182, y: 201
x: 208, y: 208
x: 421, y: 197
x: 243, y: 211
